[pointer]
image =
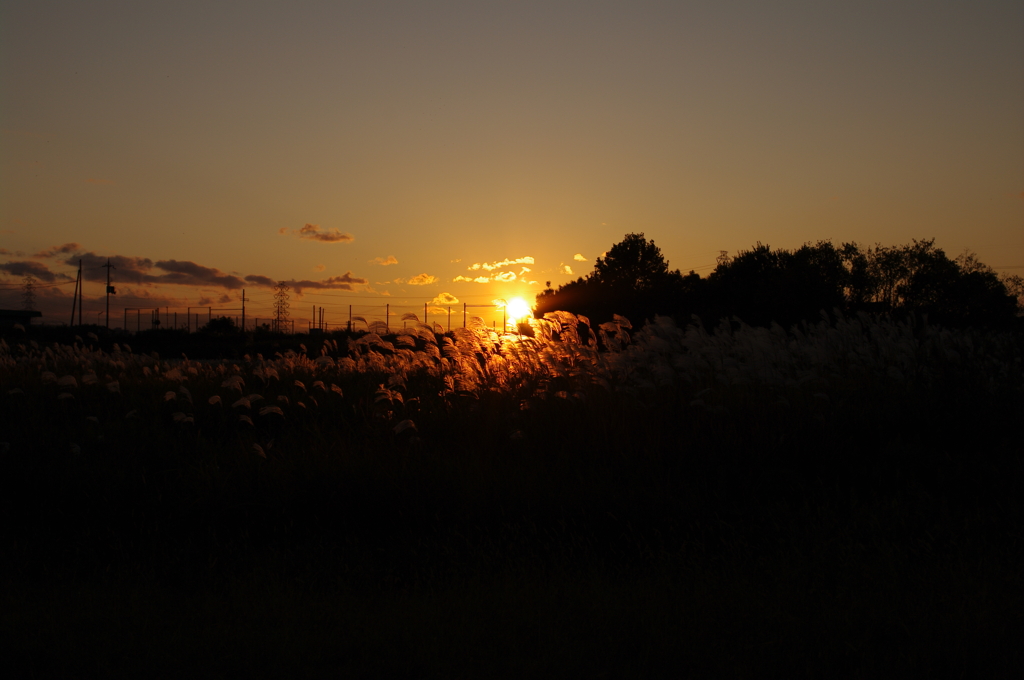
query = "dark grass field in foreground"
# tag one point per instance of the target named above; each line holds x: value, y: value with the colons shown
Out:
x: 870, y: 535
x: 537, y: 561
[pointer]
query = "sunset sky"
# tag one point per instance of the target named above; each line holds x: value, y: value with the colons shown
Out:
x: 425, y: 152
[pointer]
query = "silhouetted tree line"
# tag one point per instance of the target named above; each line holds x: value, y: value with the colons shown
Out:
x: 761, y: 285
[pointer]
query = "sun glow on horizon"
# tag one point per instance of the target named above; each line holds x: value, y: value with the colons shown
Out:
x: 518, y: 309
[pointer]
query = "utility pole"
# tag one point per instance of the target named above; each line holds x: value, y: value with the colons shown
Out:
x: 74, y: 301
x: 110, y: 289
x: 244, y: 300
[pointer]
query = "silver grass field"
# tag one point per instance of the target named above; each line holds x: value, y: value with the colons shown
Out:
x: 840, y: 499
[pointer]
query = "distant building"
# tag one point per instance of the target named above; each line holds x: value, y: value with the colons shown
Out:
x: 9, y: 317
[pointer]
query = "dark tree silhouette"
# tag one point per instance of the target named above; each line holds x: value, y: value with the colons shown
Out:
x: 222, y: 325
x: 761, y: 286
x: 631, y: 279
x: 634, y: 265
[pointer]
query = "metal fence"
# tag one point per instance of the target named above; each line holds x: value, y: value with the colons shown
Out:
x: 386, y: 318
x: 393, y: 317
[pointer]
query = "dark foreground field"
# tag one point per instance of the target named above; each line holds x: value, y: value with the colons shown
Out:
x: 863, y: 535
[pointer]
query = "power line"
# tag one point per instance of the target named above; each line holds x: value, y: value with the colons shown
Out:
x: 5, y: 286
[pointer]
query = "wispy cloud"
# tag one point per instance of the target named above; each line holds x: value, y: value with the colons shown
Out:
x: 65, y: 249
x: 498, y: 265
x: 579, y: 257
x: 143, y: 271
x: 258, y: 280
x: 344, y: 282
x: 500, y: 277
x: 384, y: 261
x: 564, y: 269
x: 319, y: 268
x: 445, y: 299
x: 312, y: 232
x: 419, y: 280
x: 38, y: 270
x: 184, y: 272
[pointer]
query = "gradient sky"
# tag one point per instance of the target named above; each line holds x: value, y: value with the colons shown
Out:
x: 195, y: 141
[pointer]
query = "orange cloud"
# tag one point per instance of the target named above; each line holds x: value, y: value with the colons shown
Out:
x: 420, y: 280
x: 579, y: 257
x: 319, y: 268
x: 498, y: 265
x: 445, y: 299
x: 384, y: 261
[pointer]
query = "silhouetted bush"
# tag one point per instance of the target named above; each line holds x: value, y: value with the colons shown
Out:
x: 761, y: 286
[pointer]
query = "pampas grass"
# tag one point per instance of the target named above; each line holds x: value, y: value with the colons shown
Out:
x: 831, y: 499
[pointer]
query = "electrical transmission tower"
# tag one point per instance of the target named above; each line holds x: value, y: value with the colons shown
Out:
x: 29, y: 295
x: 281, y: 306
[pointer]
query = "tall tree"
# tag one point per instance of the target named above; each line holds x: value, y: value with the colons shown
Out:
x: 634, y: 265
x: 631, y: 279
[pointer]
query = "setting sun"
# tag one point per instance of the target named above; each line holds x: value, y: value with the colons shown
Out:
x: 518, y: 309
